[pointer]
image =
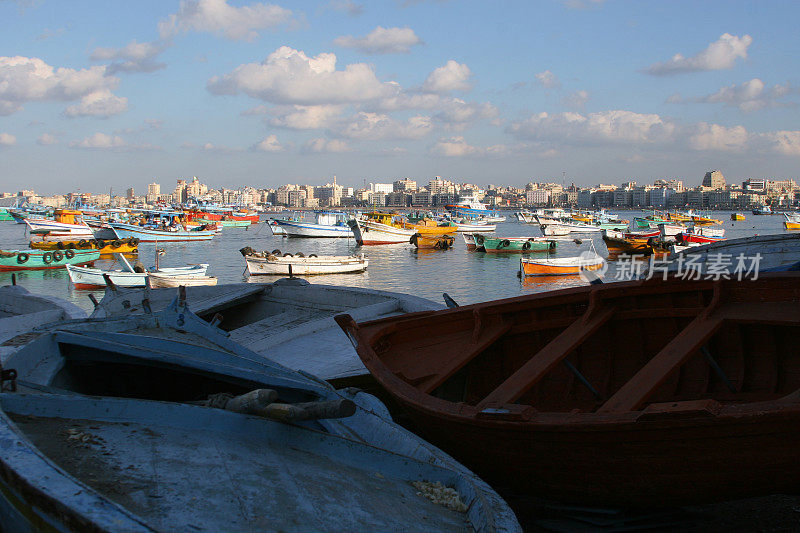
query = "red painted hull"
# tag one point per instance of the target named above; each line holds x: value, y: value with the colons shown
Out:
x: 692, y: 237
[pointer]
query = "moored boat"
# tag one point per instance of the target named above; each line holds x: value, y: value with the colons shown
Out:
x: 515, y: 244
x: 11, y: 260
x: 277, y: 264
x: 792, y: 221
x: 67, y: 224
x: 94, y: 278
x: 145, y: 234
x: 127, y: 246
x: 158, y: 280
x: 379, y: 228
x: 203, y: 409
x: 693, y: 407
x: 560, y: 266
x: 737, y: 216
x: 432, y: 241
x: 326, y: 225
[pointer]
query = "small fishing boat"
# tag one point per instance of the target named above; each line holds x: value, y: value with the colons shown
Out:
x: 559, y: 228
x: 277, y: 264
x: 792, y: 221
x: 632, y: 242
x: 224, y: 222
x: 116, y: 425
x: 560, y: 266
x: 11, y: 260
x: 128, y: 275
x: 517, y: 245
x: 128, y: 246
x: 471, y: 243
x: 432, y: 241
x: 701, y: 235
x: 145, y: 234
x: 538, y: 394
x: 67, y: 224
x: 327, y: 225
x: 763, y: 210
x: 379, y: 228
x: 555, y: 230
x: 737, y: 216
x: 159, y: 280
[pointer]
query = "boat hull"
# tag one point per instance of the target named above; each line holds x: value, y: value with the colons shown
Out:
x: 368, y: 232
x: 558, y: 267
x: 127, y: 231
x: 38, y: 259
x: 306, y: 229
x: 304, y: 266
x: 519, y: 245
x: 92, y: 278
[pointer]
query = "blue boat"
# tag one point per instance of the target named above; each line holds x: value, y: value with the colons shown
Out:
x: 145, y: 234
x: 328, y: 224
x: 160, y: 422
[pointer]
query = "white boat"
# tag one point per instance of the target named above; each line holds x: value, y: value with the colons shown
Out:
x: 328, y: 224
x: 469, y: 241
x: 554, y: 230
x: 298, y: 265
x: 670, y: 230
x: 159, y: 280
x: 276, y: 228
x: 58, y: 231
x: 368, y: 232
x: 93, y: 278
x: 474, y: 227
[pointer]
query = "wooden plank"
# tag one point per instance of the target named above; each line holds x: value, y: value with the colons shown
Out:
x: 548, y: 357
x: 685, y: 344
x: 489, y: 335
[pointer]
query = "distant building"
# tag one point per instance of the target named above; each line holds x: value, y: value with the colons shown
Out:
x: 714, y: 179
x: 405, y: 185
x: 130, y: 194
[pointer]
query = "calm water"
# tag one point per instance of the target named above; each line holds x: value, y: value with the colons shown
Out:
x: 468, y: 277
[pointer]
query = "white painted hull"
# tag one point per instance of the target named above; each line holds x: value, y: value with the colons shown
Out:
x: 158, y: 281
x: 60, y: 230
x: 84, y: 277
x: 475, y: 228
x: 307, y: 229
x: 304, y: 266
x: 368, y: 232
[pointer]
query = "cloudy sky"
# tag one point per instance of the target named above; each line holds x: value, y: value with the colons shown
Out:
x: 104, y: 94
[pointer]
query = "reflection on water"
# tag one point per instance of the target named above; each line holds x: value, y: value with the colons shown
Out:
x: 468, y: 277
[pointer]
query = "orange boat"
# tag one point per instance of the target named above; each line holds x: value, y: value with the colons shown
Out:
x: 646, y: 393
x: 560, y: 266
x: 432, y: 241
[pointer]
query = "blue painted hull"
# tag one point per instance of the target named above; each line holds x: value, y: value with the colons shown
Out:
x: 125, y: 231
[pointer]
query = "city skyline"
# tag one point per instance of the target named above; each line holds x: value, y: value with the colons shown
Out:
x: 113, y: 94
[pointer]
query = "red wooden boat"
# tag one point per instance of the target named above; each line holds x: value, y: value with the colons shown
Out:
x: 642, y: 393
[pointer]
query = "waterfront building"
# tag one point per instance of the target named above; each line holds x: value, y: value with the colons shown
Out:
x: 714, y: 179
x: 405, y: 185
x: 537, y: 196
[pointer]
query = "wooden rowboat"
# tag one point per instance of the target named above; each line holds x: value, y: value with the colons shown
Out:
x: 537, y: 394
x: 560, y: 266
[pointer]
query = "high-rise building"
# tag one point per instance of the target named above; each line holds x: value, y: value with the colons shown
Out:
x: 714, y: 179
x: 130, y: 194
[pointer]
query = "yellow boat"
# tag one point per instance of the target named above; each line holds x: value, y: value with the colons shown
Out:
x: 792, y: 221
x: 123, y: 246
x: 430, y: 227
x: 737, y: 216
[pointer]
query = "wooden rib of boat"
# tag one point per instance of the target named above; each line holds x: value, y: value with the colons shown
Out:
x: 560, y: 266
x: 115, y: 425
x: 537, y: 394
x: 276, y: 264
x: 11, y: 260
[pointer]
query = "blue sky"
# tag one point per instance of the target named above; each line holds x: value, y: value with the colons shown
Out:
x: 95, y: 95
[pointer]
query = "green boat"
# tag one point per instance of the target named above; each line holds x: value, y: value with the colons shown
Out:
x: 11, y: 260
x: 4, y: 214
x: 514, y: 244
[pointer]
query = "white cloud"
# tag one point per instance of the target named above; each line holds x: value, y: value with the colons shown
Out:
x: 721, y: 54
x: 6, y: 139
x: 99, y: 141
x: 217, y: 17
x: 326, y: 146
x: 269, y: 144
x: 347, y: 6
x: 576, y: 100
x: 46, y: 139
x: 98, y: 104
x: 376, y: 126
x: 288, y: 76
x: 616, y: 126
x: 102, y: 141
x: 452, y: 76
x: 305, y: 117
x: 582, y: 4
x: 718, y: 138
x: 134, y: 57
x: 782, y: 142
x: 458, y: 147
x: 548, y: 80
x: 381, y: 41
x: 456, y: 114
x: 28, y: 79
x: 751, y: 95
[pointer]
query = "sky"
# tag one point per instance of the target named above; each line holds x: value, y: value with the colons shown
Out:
x: 113, y: 94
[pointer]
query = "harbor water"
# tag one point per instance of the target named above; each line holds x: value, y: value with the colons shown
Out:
x: 468, y: 277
